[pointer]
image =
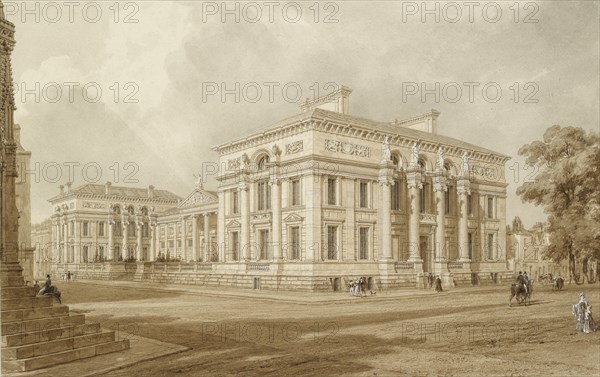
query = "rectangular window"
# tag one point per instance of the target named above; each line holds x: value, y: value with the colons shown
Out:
x: 118, y: 229
x: 447, y: 197
x: 179, y: 243
x: 190, y: 243
x: 490, y: 208
x: 470, y: 245
x: 331, y: 191
x: 295, y: 192
x: 171, y: 244
x: 101, y: 252
x: 235, y: 245
x: 85, y: 254
x: 422, y: 198
x: 101, y: 229
x: 264, y: 196
x: 332, y: 242
x: 263, y: 236
x: 235, y: 202
x: 117, y: 253
x: 490, y: 246
x: 470, y: 205
x: 395, y: 192
x: 131, y: 230
x: 86, y: 228
x: 294, y: 243
x: 363, y: 190
x: 363, y: 243
x: 145, y: 230
x: 162, y: 245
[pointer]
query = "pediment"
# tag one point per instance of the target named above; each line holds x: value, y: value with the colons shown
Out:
x: 293, y: 217
x: 198, y: 197
x: 233, y: 224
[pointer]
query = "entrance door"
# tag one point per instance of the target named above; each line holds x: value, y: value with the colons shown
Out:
x: 425, y: 253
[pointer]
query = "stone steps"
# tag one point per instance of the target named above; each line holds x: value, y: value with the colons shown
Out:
x: 17, y: 292
x: 19, y: 315
x: 58, y: 345
x: 41, y: 324
x: 67, y: 356
x: 26, y: 302
x: 49, y: 334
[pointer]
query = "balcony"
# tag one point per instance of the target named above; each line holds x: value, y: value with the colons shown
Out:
x: 399, y: 266
x: 257, y: 266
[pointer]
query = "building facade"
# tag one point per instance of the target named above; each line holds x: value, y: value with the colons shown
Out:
x: 526, y: 250
x: 23, y: 201
x: 41, y: 238
x: 311, y: 203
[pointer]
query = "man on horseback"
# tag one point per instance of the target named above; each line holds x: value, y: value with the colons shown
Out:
x: 523, y: 281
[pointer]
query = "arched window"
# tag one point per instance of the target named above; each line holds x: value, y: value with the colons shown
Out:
x: 117, y: 209
x: 423, y: 166
x: 144, y: 211
x: 130, y: 210
x: 262, y: 162
x: 396, y: 161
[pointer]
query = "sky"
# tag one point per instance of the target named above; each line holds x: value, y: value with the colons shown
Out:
x: 137, y: 93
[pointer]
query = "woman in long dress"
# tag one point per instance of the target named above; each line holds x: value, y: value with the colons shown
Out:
x: 583, y: 314
x: 438, y: 284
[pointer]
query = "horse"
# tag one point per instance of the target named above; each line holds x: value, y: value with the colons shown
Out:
x: 521, y: 294
x: 52, y: 291
x: 558, y: 283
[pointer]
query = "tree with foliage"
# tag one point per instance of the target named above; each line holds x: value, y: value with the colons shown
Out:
x: 568, y: 188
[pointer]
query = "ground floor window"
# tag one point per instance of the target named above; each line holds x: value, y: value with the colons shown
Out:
x: 293, y: 248
x: 363, y: 243
x: 263, y: 242
x: 332, y: 242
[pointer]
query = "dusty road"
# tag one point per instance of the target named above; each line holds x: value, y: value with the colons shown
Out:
x: 468, y: 332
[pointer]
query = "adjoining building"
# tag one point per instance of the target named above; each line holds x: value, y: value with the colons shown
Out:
x: 526, y: 251
x: 309, y: 203
x: 23, y: 201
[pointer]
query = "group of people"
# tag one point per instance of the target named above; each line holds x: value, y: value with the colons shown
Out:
x: 582, y: 311
x: 68, y: 276
x: 357, y: 287
x: 434, y: 280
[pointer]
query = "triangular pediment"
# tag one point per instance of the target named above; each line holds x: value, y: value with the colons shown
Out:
x: 293, y: 217
x: 198, y: 197
x: 234, y: 224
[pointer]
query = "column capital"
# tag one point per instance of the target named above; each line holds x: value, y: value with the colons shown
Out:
x: 463, y: 186
x: 413, y: 179
x: 274, y: 181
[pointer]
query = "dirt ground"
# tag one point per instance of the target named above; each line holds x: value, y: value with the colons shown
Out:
x: 463, y: 332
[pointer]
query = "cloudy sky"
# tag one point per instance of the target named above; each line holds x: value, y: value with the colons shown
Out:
x: 136, y: 88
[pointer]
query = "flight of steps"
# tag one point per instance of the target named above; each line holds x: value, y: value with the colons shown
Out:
x: 36, y: 333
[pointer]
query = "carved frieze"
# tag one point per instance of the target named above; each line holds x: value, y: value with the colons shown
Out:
x: 347, y: 148
x: 295, y: 147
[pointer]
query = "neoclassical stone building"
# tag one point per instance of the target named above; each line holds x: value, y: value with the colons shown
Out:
x: 308, y: 203
x: 324, y: 196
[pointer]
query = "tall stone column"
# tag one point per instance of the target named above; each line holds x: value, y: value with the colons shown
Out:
x: 58, y: 244
x: 440, y: 188
x: 463, y: 189
x: 413, y: 178
x: 65, y: 239
x: 77, y: 247
x: 111, y: 241
x: 276, y: 221
x: 207, y: 237
x: 386, y: 181
x: 138, y: 244
x: 195, y: 238
x: 175, y: 253
x: 245, y: 220
x: 184, y: 256
x: 152, y: 256
x: 125, y: 223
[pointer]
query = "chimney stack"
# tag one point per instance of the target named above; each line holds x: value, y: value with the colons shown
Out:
x: 150, y: 191
x: 69, y: 187
x: 107, y: 188
x: 62, y: 189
